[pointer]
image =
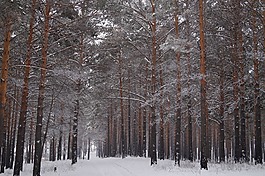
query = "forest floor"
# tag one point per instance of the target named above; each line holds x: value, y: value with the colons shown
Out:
x: 139, y: 167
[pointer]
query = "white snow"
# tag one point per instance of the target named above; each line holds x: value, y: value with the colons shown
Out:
x: 140, y: 167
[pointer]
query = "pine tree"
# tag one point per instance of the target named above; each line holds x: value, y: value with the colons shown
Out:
x: 3, y: 91
x: 153, y: 85
x: 24, y: 101
x: 204, y: 110
x: 38, y: 133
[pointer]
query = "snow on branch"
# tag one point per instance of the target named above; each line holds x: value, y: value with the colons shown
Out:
x: 172, y: 43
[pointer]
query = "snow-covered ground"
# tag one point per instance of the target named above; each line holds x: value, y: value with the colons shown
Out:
x: 139, y: 167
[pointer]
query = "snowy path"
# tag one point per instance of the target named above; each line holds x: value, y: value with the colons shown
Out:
x: 139, y: 167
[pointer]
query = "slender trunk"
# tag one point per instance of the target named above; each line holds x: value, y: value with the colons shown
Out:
x: 153, y: 83
x: 167, y: 141
x: 264, y: 53
x: 190, y: 130
x: 221, y: 141
x: 8, y: 145
x: 30, y: 140
x: 237, y: 146
x: 149, y: 134
x: 38, y: 133
x: 53, y: 148
x: 129, y: 116
x: 145, y: 112
x: 14, y: 128
x: 190, y: 146
x: 121, y: 107
x: 144, y: 132
x: 257, y: 104
x: 134, y: 147
x: 140, y: 153
x: 24, y: 100
x: 13, y: 118
x: 161, y: 123
x: 77, y: 103
x: 115, y: 148
x: 88, y: 149
x: 47, y: 124
x: 75, y: 131
x: 242, y: 100
x: 204, y: 109
x: 64, y: 147
x: 3, y: 91
x: 109, y: 134
x: 69, y: 153
x: 59, y: 150
x: 178, y: 101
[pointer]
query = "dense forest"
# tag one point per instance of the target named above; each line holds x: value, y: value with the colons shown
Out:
x: 165, y: 79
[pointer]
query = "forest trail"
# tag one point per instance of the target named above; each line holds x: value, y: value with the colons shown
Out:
x: 135, y: 166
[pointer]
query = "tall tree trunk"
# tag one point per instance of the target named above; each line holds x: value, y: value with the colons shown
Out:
x: 38, y: 133
x: 60, y: 142
x: 153, y: 83
x: 221, y: 132
x: 237, y: 146
x: 114, y: 143
x: 88, y: 149
x: 134, y: 137
x: 129, y: 114
x: 257, y: 106
x: 139, y: 151
x: 69, y: 153
x: 77, y: 104
x: 30, y: 139
x: 145, y: 112
x: 242, y: 99
x: 190, y: 150
x: 121, y: 106
x: 161, y: 123
x: 264, y: 49
x: 109, y: 134
x: 75, y: 129
x: 3, y: 91
x: 204, y: 109
x: 178, y: 101
x: 8, y: 145
x: 14, y: 127
x: 13, y: 117
x: 167, y: 141
x: 24, y: 100
x: 190, y: 146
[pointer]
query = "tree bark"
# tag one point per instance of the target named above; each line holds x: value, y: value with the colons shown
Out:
x: 237, y: 146
x: 204, y: 109
x: 145, y: 112
x: 60, y: 142
x: 242, y: 99
x: 178, y: 100
x: 190, y: 146
x: 88, y: 149
x: 69, y: 153
x: 153, y: 83
x: 221, y: 132
x: 161, y: 123
x: 75, y: 130
x: 24, y: 100
x: 38, y: 133
x: 14, y: 127
x: 121, y: 106
x: 257, y: 106
x: 3, y: 91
